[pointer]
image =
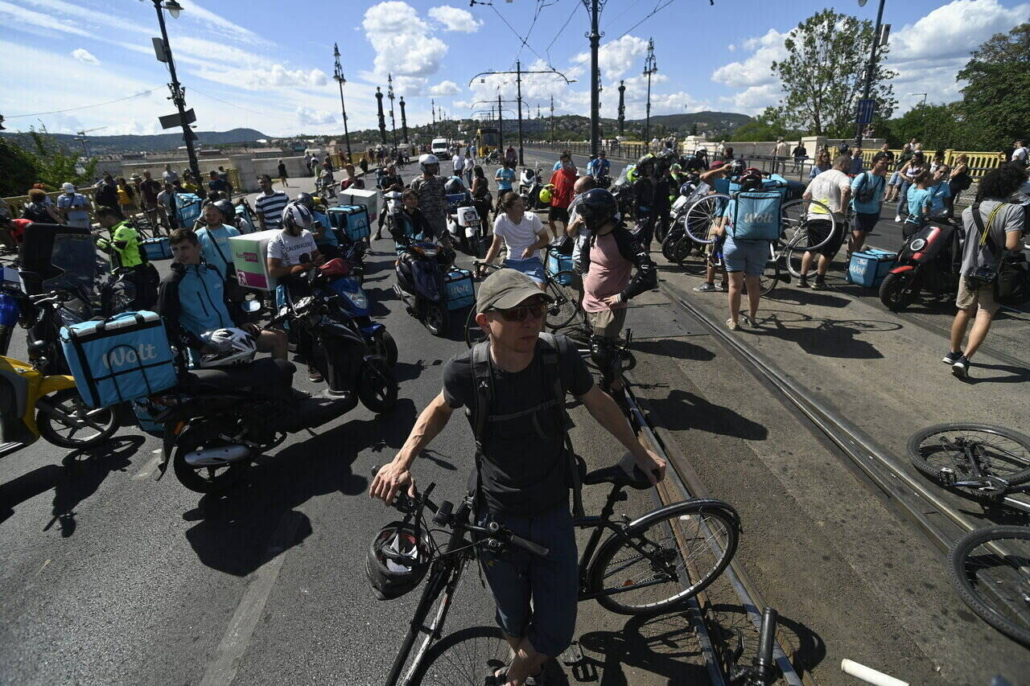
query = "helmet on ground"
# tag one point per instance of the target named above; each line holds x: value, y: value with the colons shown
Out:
x: 231, y: 347
x: 296, y: 215
x: 453, y: 186
x: 546, y: 193
x: 597, y: 207
x: 227, y: 209
x: 397, y: 560
x: 429, y: 164
x: 305, y: 199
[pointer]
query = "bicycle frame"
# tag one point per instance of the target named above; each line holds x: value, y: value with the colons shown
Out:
x: 989, y: 485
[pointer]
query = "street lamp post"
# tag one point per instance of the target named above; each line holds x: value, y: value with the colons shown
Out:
x: 650, y: 67
x: 382, y: 118
x: 871, y: 70
x: 404, y: 122
x: 622, y: 108
x: 595, y: 85
x: 338, y: 75
x: 393, y: 122
x: 178, y: 92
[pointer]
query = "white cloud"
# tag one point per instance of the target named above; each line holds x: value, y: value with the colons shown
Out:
x: 454, y: 19
x: 402, y: 40
x: 617, y: 57
x: 411, y: 86
x: 445, y: 88
x: 955, y: 29
x: 756, y: 69
x: 84, y: 56
x: 260, y: 78
x: 313, y: 117
x: 195, y: 13
x: 12, y: 15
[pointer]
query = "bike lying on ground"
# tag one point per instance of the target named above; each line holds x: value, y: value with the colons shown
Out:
x: 640, y: 569
x: 990, y: 567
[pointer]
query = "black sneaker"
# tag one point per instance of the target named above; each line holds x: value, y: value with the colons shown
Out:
x: 951, y: 358
x: 819, y: 285
x: 960, y: 368
x: 803, y: 282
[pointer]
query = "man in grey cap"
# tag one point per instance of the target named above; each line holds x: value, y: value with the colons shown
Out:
x: 513, y: 386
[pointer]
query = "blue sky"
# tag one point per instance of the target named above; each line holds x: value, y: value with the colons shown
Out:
x: 269, y: 65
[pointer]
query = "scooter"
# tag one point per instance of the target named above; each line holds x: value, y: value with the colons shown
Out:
x: 466, y: 227
x: 529, y: 188
x: 929, y: 261
x: 355, y: 304
x: 420, y: 283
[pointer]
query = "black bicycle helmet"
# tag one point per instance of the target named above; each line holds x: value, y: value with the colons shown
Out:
x: 736, y: 167
x: 665, y: 159
x: 597, y: 207
x: 227, y: 209
x: 306, y: 199
x: 397, y: 560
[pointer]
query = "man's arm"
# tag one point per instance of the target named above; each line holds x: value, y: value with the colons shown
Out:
x: 395, y: 475
x: 278, y: 270
x: 646, y: 276
x: 604, y: 410
x: 574, y: 226
x: 261, y: 217
x: 542, y: 241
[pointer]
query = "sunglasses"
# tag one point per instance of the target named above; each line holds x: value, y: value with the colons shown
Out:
x: 519, y: 314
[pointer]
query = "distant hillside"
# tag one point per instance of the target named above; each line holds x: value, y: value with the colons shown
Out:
x: 105, y: 145
x: 713, y: 121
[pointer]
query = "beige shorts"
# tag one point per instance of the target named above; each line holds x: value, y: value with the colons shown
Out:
x: 970, y: 298
x: 607, y: 323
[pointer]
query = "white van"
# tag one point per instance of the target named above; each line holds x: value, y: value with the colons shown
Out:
x: 441, y: 148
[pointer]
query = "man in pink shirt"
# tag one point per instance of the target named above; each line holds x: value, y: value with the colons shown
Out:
x: 607, y: 261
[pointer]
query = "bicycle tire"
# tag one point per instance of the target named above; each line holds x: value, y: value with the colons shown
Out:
x: 770, y: 278
x: 464, y: 658
x: 473, y: 332
x: 923, y: 457
x: 700, y: 218
x: 967, y: 571
x: 792, y: 256
x: 566, y: 301
x: 705, y: 515
x: 672, y: 245
x: 794, y: 220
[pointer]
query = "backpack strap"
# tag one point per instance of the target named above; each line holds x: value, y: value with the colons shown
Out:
x: 552, y: 350
x: 482, y: 381
x: 985, y: 230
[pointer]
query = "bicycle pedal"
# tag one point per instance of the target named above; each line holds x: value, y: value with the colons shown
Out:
x: 947, y: 476
x: 573, y: 655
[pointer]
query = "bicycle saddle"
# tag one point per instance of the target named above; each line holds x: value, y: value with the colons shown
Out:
x: 618, y: 476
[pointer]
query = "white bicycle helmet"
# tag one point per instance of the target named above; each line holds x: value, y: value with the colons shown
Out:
x: 426, y: 161
x: 232, y: 346
x: 297, y: 215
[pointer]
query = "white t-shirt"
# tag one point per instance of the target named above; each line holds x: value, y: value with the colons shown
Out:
x: 826, y: 188
x: 292, y: 250
x: 1019, y: 155
x: 518, y: 237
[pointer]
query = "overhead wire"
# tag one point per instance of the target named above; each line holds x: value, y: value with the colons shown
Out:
x: 85, y: 107
x: 524, y: 41
x: 658, y: 8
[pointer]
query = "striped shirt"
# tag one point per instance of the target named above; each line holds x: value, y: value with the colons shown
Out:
x: 271, y: 208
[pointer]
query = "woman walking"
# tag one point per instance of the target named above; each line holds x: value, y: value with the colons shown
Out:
x: 282, y: 174
x: 523, y: 236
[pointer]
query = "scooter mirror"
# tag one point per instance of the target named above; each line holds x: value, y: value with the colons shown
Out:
x: 250, y: 306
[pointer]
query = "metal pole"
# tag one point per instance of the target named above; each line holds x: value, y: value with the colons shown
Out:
x: 500, y: 127
x: 622, y: 107
x: 338, y: 75
x: 382, y: 118
x: 404, y: 122
x: 650, y: 67
x: 867, y: 89
x: 393, y: 122
x: 518, y: 86
x: 595, y: 93
x: 179, y: 98
x: 552, y: 118
x: 433, y: 109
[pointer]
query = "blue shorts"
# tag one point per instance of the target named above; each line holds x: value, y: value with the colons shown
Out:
x: 532, y: 267
x: 551, y: 583
x: 865, y: 221
x: 749, y: 257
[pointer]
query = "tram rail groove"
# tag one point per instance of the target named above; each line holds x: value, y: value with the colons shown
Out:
x: 784, y: 652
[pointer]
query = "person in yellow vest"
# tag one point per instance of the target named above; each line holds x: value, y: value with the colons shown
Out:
x: 123, y: 245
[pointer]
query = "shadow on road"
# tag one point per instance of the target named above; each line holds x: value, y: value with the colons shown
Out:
x: 728, y: 621
x: 829, y: 337
x: 683, y: 410
x: 1012, y: 374
x: 673, y: 347
x: 79, y: 477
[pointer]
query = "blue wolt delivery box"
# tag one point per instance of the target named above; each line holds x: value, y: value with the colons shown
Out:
x: 461, y: 292
x: 870, y: 267
x: 556, y: 262
x: 352, y: 220
x: 157, y: 248
x: 122, y: 358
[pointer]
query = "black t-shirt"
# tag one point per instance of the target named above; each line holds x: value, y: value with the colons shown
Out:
x: 525, y: 469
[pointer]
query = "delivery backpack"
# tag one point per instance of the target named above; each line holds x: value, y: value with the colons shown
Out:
x: 756, y: 216
x: 550, y: 351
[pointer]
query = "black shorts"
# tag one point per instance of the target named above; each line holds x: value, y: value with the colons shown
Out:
x: 558, y: 214
x: 818, y: 230
x: 865, y: 221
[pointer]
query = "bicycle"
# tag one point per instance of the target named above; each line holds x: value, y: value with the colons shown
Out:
x: 559, y: 313
x: 989, y: 567
x: 649, y: 565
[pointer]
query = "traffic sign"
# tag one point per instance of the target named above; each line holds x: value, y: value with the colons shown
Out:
x: 866, y: 107
x: 170, y: 121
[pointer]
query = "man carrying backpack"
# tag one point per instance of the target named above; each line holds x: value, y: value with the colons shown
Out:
x: 123, y: 245
x: 867, y: 197
x: 513, y: 387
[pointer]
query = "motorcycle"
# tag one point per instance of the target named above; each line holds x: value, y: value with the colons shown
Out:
x: 530, y: 186
x: 673, y: 248
x: 466, y: 227
x: 420, y: 283
x: 929, y: 261
x: 355, y: 304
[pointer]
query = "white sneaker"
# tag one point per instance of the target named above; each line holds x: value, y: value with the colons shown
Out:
x: 733, y: 326
x: 897, y: 219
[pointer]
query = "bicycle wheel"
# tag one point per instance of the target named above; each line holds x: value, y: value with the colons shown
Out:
x: 999, y: 452
x: 566, y: 303
x: 700, y: 219
x: 796, y: 218
x: 793, y: 253
x: 990, y: 569
x: 771, y: 274
x: 465, y: 658
x: 427, y: 623
x: 675, y: 250
x: 473, y: 332
x: 687, y: 546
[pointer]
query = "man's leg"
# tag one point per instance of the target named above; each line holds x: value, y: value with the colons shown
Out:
x: 806, y: 263
x: 981, y: 325
x: 824, y: 266
x: 958, y: 328
x: 856, y: 240
x: 273, y: 342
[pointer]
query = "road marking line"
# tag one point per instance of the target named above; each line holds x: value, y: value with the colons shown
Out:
x: 229, y: 655
x: 148, y: 468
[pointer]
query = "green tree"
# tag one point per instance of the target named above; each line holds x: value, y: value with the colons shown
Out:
x: 768, y: 126
x: 18, y: 170
x: 39, y: 158
x: 937, y: 127
x: 998, y: 78
x: 824, y: 72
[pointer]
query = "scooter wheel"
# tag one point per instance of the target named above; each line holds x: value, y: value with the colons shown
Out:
x: 898, y: 291
x: 207, y: 479
x: 377, y: 386
x: 435, y: 319
x: 66, y: 421
x: 385, y: 347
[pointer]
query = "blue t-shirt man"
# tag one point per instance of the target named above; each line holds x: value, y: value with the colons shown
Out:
x: 861, y: 185
x: 938, y: 194
x: 504, y: 178
x: 918, y: 200
x: 598, y: 167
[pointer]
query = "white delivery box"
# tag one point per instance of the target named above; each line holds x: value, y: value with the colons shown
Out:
x: 249, y: 256
x: 360, y: 196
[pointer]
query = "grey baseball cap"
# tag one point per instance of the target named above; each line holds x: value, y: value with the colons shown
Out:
x: 507, y: 288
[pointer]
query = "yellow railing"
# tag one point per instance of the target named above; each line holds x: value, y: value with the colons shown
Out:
x: 979, y: 162
x: 17, y: 204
